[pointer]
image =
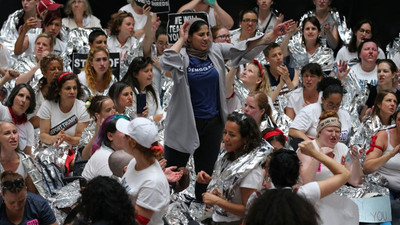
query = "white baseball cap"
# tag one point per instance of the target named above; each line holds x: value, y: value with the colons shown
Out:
x: 143, y: 130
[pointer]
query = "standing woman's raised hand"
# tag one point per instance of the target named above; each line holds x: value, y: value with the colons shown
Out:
x: 184, y: 31
x: 283, y: 28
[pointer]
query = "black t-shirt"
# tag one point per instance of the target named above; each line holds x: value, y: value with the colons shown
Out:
x: 37, y: 212
x: 373, y: 92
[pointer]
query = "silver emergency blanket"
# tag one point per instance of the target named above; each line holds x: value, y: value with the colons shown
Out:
x: 354, y: 98
x: 227, y: 174
x: 373, y: 185
x: 87, y: 134
x: 235, y: 38
x: 323, y: 55
x: 53, y: 154
x: 345, y: 33
x: 393, y: 48
x: 23, y: 65
x: 135, y: 51
x: 363, y: 134
x: 78, y: 41
x: 9, y: 32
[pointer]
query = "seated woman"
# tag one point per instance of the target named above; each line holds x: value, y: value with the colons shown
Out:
x: 140, y: 78
x: 243, y: 144
x: 20, y: 103
x: 275, y: 137
x: 383, y: 157
x: 282, y: 78
x: 381, y: 117
x: 50, y: 67
x: 108, y: 140
x: 99, y: 206
x: 274, y: 206
x: 51, y: 25
x: 10, y: 157
x: 305, y: 124
x: 362, y: 30
x: 309, y: 47
x: 97, y: 75
x: 387, y: 80
x: 29, y: 67
x: 266, y: 15
x: 100, y: 108
x: 122, y: 96
x: 311, y: 75
x: 144, y: 179
x: 19, y: 206
x: 79, y: 14
x: 257, y: 106
x: 62, y: 116
x: 328, y: 132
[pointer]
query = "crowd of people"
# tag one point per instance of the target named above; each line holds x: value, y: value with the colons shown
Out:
x: 277, y: 116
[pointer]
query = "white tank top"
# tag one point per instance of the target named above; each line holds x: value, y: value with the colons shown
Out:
x: 391, y: 169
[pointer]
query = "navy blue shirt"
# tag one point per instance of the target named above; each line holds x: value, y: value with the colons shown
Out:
x: 37, y: 212
x: 204, y: 87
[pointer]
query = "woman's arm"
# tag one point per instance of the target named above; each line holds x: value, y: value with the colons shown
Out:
x: 74, y: 140
x: 293, y: 132
x: 143, y: 212
x: 26, y: 77
x: 150, y: 29
x: 189, y: 6
x: 285, y: 42
x: 376, y: 159
x: 332, y: 37
x: 234, y: 208
x: 290, y: 112
x: 229, y: 81
x: 341, y: 174
x: 222, y: 17
x: 353, y: 164
x: 45, y: 137
x: 277, y: 90
x: 8, y: 75
x: 309, y: 166
x: 22, y: 42
x: 279, y: 29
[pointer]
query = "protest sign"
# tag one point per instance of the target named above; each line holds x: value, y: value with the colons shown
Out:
x: 157, y: 6
x: 176, y: 20
x: 79, y: 61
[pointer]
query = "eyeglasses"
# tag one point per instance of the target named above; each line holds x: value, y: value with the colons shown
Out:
x: 247, y: 20
x: 13, y: 185
x: 365, y: 31
x: 330, y: 105
x: 223, y: 36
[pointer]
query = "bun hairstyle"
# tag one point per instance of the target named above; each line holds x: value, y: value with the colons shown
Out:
x: 96, y: 103
x: 327, y: 114
x: 330, y: 85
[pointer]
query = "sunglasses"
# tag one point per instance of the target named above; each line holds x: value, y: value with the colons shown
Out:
x: 13, y: 185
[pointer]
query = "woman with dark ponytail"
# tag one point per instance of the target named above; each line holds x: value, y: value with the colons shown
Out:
x: 304, y: 126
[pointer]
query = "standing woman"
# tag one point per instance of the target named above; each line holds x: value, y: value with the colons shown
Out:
x: 312, y: 74
x: 198, y: 70
x: 144, y: 179
x: 230, y: 187
x: 62, y: 116
x: 97, y: 74
x: 248, y: 21
x: 122, y: 96
x: 20, y: 103
x: 309, y: 47
x: 79, y: 14
x: 140, y: 78
x: 266, y: 15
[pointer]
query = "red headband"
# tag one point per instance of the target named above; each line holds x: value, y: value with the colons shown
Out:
x: 255, y: 61
x: 274, y: 133
x: 62, y: 75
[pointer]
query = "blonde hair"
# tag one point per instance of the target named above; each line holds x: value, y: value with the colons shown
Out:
x: 91, y: 73
x: 264, y: 86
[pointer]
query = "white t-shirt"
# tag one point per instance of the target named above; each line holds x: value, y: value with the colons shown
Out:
x: 50, y: 110
x: 82, y: 79
x: 308, y: 117
x: 253, y: 180
x: 296, y: 100
x: 365, y: 78
x: 98, y: 164
x: 140, y: 20
x: 340, y: 151
x: 344, y: 55
x: 149, y: 189
x: 88, y: 22
x: 25, y: 130
x: 59, y: 47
